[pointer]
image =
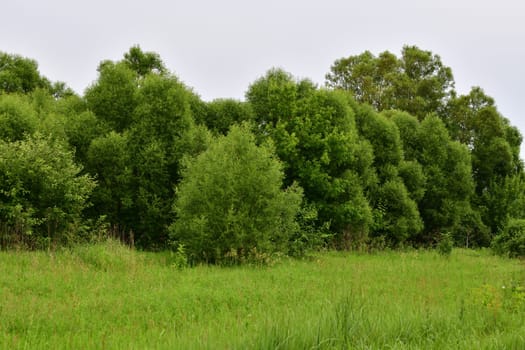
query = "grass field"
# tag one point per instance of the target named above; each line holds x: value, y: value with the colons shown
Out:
x: 109, y: 297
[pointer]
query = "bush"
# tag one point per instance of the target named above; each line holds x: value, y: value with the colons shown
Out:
x: 511, y: 241
x: 445, y: 244
x: 230, y: 202
x: 42, y: 194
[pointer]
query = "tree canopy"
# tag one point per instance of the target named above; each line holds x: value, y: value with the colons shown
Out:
x: 387, y: 153
x: 417, y: 82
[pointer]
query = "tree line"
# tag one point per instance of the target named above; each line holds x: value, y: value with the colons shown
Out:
x: 386, y: 154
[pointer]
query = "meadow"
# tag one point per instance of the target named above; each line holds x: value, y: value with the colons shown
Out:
x: 107, y: 296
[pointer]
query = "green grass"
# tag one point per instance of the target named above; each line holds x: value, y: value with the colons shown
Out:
x: 108, y: 297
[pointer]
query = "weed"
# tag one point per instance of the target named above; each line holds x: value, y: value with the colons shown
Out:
x: 445, y: 244
x: 179, y: 257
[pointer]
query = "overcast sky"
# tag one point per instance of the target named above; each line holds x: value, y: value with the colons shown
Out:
x: 219, y: 47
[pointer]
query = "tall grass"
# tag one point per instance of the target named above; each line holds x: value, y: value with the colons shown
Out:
x: 107, y: 296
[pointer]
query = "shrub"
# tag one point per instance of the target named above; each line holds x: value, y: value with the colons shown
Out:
x: 42, y: 194
x: 511, y: 241
x: 230, y: 202
x: 445, y: 244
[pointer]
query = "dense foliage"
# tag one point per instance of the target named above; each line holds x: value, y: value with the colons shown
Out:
x: 315, y: 135
x: 42, y: 193
x: 511, y: 240
x: 387, y: 154
x: 230, y: 205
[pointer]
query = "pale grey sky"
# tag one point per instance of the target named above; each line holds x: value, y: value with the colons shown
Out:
x: 220, y: 47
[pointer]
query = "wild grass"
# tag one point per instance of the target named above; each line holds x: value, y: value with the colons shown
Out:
x: 109, y: 297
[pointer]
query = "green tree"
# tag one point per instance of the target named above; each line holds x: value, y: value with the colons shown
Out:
x: 414, y: 178
x: 410, y: 170
x: 495, y: 145
x: 81, y: 129
x: 144, y: 63
x: 151, y: 112
x: 369, y: 78
x: 273, y: 97
x: 230, y: 201
x: 396, y: 215
x: 316, y: 138
x: 444, y: 193
x: 163, y: 131
x: 511, y: 240
x: 417, y: 82
x: 19, y: 74
x: 42, y: 194
x: 384, y: 136
x: 448, y: 170
x: 462, y: 114
x: 113, y: 96
x: 108, y: 159
x: 17, y: 117
x: 492, y: 155
x: 223, y: 113
x: 199, y: 108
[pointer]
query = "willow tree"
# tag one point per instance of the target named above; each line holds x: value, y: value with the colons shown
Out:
x: 315, y: 135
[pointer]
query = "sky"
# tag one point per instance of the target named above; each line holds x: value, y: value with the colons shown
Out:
x: 220, y: 47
